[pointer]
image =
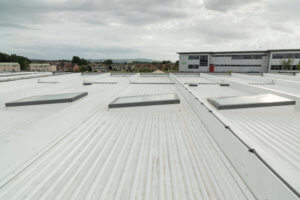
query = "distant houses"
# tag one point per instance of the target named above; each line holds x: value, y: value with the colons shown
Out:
x: 9, y: 67
x: 42, y: 67
x: 67, y: 67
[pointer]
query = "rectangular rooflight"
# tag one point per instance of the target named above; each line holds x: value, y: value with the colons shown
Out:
x: 144, y: 100
x: 260, y: 100
x: 47, y: 99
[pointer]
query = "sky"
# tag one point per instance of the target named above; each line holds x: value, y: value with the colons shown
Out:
x: 155, y: 29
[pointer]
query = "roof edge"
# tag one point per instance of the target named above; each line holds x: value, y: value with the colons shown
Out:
x: 228, y: 52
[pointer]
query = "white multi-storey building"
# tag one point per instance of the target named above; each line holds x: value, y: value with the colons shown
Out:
x: 240, y: 61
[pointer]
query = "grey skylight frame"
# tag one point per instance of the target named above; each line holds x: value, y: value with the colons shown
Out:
x: 193, y: 84
x: 249, y: 101
x: 60, y: 99
x: 174, y: 100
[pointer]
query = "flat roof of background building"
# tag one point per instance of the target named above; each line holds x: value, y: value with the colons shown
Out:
x: 39, y: 64
x: 232, y: 52
x: 9, y: 63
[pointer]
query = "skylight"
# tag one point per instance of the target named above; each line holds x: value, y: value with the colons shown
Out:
x: 144, y: 100
x: 47, y: 99
x: 260, y: 100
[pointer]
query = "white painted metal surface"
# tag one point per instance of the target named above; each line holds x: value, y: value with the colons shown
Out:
x: 154, y: 152
x: 83, y: 150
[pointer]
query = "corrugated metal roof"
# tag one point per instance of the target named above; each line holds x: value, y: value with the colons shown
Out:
x: 154, y: 152
x: 272, y: 131
x: 84, y: 150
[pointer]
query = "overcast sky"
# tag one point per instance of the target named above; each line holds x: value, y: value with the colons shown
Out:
x: 157, y: 29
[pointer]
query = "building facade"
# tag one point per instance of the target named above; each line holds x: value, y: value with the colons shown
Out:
x: 9, y: 67
x: 240, y: 61
x: 42, y: 67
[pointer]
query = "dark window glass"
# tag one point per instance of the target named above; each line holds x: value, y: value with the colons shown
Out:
x: 193, y: 57
x: 228, y: 65
x: 203, y: 60
x: 285, y: 55
x: 240, y: 57
x: 276, y: 67
x: 193, y: 66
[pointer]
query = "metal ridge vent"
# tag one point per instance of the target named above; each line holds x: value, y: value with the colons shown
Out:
x: 145, y: 100
x: 260, y: 100
x: 47, y: 99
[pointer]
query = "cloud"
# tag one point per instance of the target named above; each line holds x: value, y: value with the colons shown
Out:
x: 226, y: 5
x: 12, y: 25
x: 52, y: 29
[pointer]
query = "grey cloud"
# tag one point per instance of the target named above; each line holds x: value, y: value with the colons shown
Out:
x: 226, y: 5
x: 142, y: 28
x: 12, y: 25
x: 124, y: 11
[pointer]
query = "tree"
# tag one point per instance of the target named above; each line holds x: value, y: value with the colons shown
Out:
x: 79, y: 61
x: 287, y: 64
x: 298, y: 66
x: 176, y: 68
x: 89, y: 68
x: 23, y: 61
x: 82, y: 68
x: 76, y: 60
x: 108, y: 62
x: 83, y: 62
x: 166, y: 62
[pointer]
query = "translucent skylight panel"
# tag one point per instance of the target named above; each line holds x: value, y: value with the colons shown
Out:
x: 47, y: 99
x: 144, y: 100
x: 249, y: 101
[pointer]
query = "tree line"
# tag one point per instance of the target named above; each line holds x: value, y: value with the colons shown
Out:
x: 23, y: 61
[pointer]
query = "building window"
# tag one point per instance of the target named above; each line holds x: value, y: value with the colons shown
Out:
x: 297, y: 55
x: 276, y: 67
x: 193, y: 66
x: 232, y: 65
x: 241, y: 57
x: 285, y: 55
x: 193, y: 57
x: 203, y: 60
x: 222, y: 56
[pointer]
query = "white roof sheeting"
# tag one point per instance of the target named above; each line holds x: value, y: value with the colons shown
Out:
x: 83, y: 150
x: 271, y: 131
x: 18, y: 76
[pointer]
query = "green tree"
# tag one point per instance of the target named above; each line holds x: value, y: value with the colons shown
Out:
x: 82, y: 68
x: 108, y: 62
x: 23, y: 61
x: 76, y: 60
x: 89, y: 68
x: 298, y: 66
x: 287, y: 64
x: 166, y: 62
x: 176, y: 66
x: 79, y: 61
x: 83, y: 62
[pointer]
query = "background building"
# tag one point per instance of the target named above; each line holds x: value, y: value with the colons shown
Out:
x: 240, y: 61
x: 44, y: 67
x: 9, y: 67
